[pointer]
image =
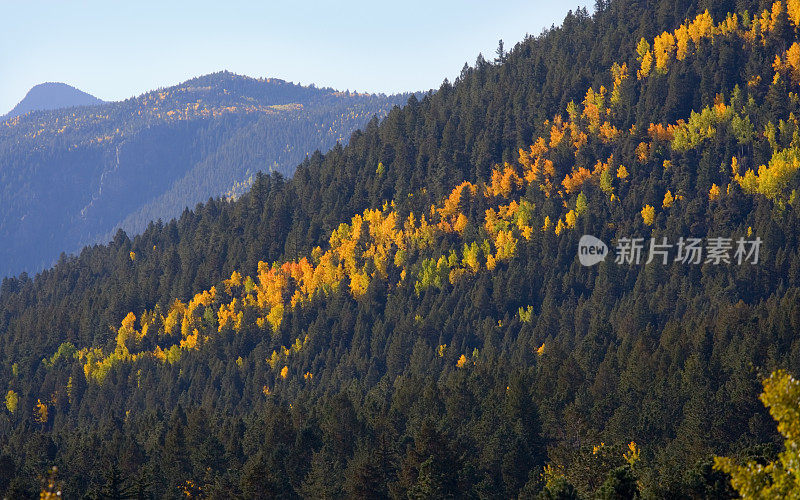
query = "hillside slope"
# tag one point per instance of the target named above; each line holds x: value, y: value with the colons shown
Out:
x: 72, y: 177
x: 408, y: 315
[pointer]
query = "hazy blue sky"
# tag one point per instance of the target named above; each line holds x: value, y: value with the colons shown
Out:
x: 116, y: 50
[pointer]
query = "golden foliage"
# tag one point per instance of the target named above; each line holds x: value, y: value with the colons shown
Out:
x: 608, y: 132
x: 772, y: 179
x: 619, y: 75
x: 713, y: 193
x: 632, y: 455
x: 793, y: 11
x: 778, y: 478
x: 574, y: 182
x: 681, y: 42
x: 645, y: 58
x: 593, y: 107
x: 234, y: 281
x: 40, y: 412
x: 648, y: 214
x: 557, y: 131
x: 643, y: 152
x: 668, y: 199
x: 12, y: 401
x: 664, y: 48
x: 559, y: 226
x: 658, y: 132
x: 701, y: 27
x: 504, y: 181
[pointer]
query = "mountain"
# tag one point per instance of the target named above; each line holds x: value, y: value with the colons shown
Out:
x: 72, y: 177
x: 410, y: 315
x: 52, y: 95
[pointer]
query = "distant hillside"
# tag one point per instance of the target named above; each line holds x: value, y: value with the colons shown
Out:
x: 52, y: 95
x: 72, y: 177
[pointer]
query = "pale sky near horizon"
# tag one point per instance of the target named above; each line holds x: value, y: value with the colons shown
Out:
x: 115, y: 50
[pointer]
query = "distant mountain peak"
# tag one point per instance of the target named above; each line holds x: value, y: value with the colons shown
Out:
x: 52, y: 95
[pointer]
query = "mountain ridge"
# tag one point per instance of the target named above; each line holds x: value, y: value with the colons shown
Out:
x: 150, y: 156
x: 49, y: 96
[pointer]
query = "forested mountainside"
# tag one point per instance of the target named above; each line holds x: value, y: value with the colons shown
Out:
x: 408, y: 317
x: 52, y: 95
x: 72, y: 177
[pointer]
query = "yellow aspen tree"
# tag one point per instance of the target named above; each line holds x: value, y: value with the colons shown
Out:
x: 12, y: 401
x: 642, y: 151
x: 681, y: 42
x: 593, y: 105
x: 701, y: 27
x: 570, y: 219
x: 574, y: 182
x: 668, y: 200
x: 647, y: 65
x: 605, y: 181
x: 793, y: 10
x: 659, y: 132
x: 778, y: 478
x: 619, y: 74
x: 275, y: 317
x: 648, y: 215
x: 525, y: 314
x: 664, y: 48
x: 793, y: 60
x: 560, y: 226
x: 581, y: 204
x: 40, y: 412
x: 729, y: 25
x: 748, y: 182
x: 645, y: 58
x: 234, y: 281
x: 777, y: 10
x: 572, y: 112
x: 556, y: 134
